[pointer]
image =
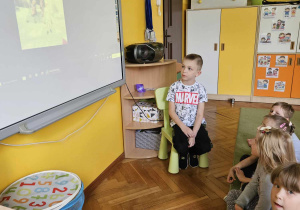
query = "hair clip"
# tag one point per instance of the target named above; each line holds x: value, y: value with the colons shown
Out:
x: 266, y: 129
x: 282, y: 125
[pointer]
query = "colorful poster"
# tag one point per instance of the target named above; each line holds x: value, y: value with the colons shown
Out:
x: 281, y: 60
x: 272, y: 72
x: 279, y: 86
x: 264, y: 61
x: 265, y: 38
x: 263, y: 84
x: 269, y: 12
x: 278, y: 25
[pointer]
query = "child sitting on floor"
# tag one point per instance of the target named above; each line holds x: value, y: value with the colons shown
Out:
x: 246, y: 167
x: 273, y: 146
x: 285, y: 193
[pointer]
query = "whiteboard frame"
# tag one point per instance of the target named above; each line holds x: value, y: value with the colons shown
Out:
x: 47, y: 117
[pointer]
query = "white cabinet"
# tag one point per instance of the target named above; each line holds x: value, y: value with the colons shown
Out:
x: 203, y: 38
x: 279, y: 28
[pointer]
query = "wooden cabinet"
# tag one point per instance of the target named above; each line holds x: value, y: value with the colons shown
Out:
x: 237, y: 43
x: 226, y: 41
x: 278, y: 39
x: 296, y: 79
x: 153, y: 75
x: 203, y: 37
x: 274, y: 78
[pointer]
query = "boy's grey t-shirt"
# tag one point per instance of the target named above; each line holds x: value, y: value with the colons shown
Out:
x: 186, y: 99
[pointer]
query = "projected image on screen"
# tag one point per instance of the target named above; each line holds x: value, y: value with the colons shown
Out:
x: 41, y: 23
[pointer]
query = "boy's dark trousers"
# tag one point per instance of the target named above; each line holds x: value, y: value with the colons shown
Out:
x: 181, y: 144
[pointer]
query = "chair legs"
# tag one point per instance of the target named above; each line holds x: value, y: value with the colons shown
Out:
x: 163, y: 148
x: 174, y: 157
x: 174, y: 161
x: 203, y: 161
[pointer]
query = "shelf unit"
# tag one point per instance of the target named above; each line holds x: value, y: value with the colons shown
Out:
x: 152, y: 75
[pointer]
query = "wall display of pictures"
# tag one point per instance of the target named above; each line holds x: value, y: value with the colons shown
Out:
x: 278, y: 25
x: 264, y: 61
x: 272, y: 72
x: 284, y: 38
x: 263, y: 84
x: 265, y: 38
x: 269, y: 12
x: 279, y: 86
x: 281, y: 60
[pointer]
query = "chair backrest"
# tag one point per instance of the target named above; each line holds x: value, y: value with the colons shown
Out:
x: 162, y: 104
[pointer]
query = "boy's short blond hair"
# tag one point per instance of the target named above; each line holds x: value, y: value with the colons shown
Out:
x: 288, y: 175
x: 288, y: 110
x: 197, y: 58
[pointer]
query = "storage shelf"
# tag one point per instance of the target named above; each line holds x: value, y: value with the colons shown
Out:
x: 136, y: 95
x: 151, y: 75
x: 143, y: 125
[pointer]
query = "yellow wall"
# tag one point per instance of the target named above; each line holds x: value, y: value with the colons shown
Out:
x: 87, y: 153
x: 90, y: 151
x: 134, y: 21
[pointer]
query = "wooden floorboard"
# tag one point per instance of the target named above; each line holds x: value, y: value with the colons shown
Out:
x: 146, y: 184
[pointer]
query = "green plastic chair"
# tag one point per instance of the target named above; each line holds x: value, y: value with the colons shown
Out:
x: 167, y: 134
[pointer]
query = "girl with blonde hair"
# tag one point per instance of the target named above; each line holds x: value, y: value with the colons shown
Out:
x: 274, y: 147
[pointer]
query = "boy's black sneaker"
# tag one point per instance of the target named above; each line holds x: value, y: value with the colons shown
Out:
x: 194, y: 161
x: 183, y: 162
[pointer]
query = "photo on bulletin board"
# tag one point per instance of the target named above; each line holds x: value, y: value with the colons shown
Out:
x: 265, y: 38
x: 272, y: 72
x: 278, y: 25
x: 263, y: 84
x: 287, y: 12
x: 269, y: 12
x: 293, y: 11
x: 279, y: 86
x: 264, y: 61
x: 284, y: 38
x: 281, y: 60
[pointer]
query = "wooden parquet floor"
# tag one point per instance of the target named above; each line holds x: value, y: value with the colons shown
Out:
x: 146, y: 183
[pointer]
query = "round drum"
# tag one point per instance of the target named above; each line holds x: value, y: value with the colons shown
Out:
x: 42, y: 190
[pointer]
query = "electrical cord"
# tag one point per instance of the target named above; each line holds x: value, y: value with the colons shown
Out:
x: 138, y: 105
x: 67, y: 136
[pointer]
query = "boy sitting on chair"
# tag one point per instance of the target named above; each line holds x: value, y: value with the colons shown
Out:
x: 186, y: 108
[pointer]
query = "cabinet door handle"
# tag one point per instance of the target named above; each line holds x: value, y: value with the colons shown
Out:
x: 298, y: 61
x: 222, y: 47
x: 290, y: 61
x: 292, y: 45
x: 215, y: 47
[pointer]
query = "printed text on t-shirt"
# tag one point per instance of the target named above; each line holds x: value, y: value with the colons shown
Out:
x: 187, y: 98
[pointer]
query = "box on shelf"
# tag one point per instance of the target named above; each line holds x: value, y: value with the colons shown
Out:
x: 150, y: 110
x: 148, y: 139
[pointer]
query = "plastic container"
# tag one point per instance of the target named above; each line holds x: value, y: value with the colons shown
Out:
x: 77, y: 202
